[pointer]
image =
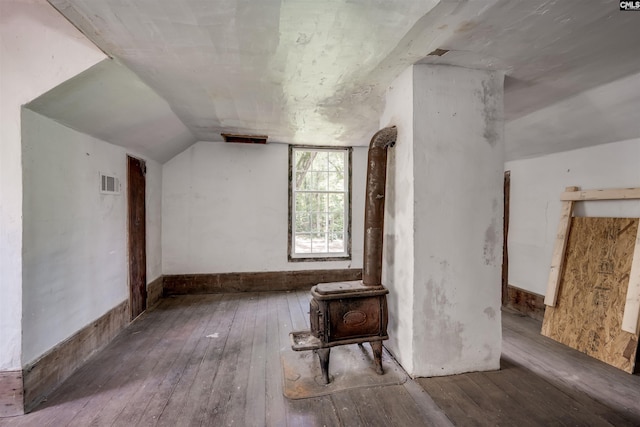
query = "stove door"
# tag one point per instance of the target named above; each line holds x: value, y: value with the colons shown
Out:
x: 357, y: 318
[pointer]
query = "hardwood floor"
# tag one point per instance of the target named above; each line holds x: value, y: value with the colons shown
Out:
x: 213, y: 360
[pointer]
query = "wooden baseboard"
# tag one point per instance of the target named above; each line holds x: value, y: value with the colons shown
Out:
x: 525, y: 302
x: 254, y: 282
x: 51, y: 369
x: 11, y: 394
x: 154, y: 292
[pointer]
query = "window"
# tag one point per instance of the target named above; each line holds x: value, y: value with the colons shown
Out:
x: 319, y: 203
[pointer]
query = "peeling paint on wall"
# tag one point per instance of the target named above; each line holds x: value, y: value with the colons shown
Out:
x: 490, y: 110
x: 441, y: 328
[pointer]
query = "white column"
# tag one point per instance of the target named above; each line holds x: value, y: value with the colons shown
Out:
x: 444, y: 219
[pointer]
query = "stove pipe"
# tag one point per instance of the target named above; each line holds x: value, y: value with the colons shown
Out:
x: 374, y: 205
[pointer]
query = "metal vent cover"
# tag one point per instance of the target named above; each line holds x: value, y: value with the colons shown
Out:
x: 109, y: 184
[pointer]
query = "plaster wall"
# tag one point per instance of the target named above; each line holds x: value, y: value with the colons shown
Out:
x: 75, y: 265
x: 443, y: 230
x: 458, y: 150
x: 225, y: 209
x: 398, y: 257
x: 39, y: 50
x: 74, y: 253
x: 536, y: 185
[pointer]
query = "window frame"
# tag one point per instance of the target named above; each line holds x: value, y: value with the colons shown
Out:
x: 321, y: 256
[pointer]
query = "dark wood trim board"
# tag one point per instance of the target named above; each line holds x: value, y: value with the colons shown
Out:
x: 181, y: 284
x: 525, y: 302
x: 51, y: 369
x: 11, y: 394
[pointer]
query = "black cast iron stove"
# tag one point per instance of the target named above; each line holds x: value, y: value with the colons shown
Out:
x: 355, y: 312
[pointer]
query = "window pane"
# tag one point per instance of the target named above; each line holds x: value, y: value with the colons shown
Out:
x: 336, y: 243
x: 319, y: 161
x: 303, y: 181
x: 318, y: 223
x: 304, y: 201
x: 321, y: 202
x: 336, y: 161
x: 336, y: 222
x: 303, y: 222
x: 336, y: 203
x: 335, y: 181
x: 303, y: 243
x: 320, y: 181
x: 319, y: 244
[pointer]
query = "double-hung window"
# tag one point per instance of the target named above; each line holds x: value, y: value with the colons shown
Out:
x: 319, y: 203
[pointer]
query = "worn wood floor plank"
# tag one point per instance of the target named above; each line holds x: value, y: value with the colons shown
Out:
x: 189, y: 402
x: 448, y: 397
x: 165, y: 405
x: 429, y: 411
x: 298, y: 319
x: 612, y: 387
x: 111, y: 368
x: 123, y: 387
x: 237, y: 403
x: 152, y: 396
x: 255, y: 395
x: 346, y: 409
x: 214, y: 409
x: 398, y: 406
x: 304, y: 298
x: 276, y: 413
x: 168, y: 369
x: 491, y: 397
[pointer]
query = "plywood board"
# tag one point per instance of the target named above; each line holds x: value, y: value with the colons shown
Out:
x: 631, y: 317
x: 592, y: 291
x: 559, y: 249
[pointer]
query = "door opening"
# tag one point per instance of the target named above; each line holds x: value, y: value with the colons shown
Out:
x: 136, y: 169
x: 505, y: 249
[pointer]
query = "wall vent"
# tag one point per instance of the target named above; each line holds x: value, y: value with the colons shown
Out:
x: 245, y: 139
x: 109, y: 184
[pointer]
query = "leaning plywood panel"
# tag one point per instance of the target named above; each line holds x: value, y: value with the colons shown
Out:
x: 593, y: 288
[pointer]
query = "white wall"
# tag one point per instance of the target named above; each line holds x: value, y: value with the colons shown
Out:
x: 75, y: 238
x: 225, y: 209
x: 536, y: 185
x: 153, y: 205
x: 443, y: 219
x: 459, y: 159
x: 399, y: 221
x: 39, y: 50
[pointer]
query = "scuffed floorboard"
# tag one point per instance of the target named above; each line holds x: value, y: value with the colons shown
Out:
x: 215, y: 360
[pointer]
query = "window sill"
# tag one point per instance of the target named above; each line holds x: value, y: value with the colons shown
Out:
x: 319, y: 258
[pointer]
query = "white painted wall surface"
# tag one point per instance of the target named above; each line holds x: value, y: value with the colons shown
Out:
x: 75, y: 238
x: 536, y: 185
x: 153, y: 205
x: 39, y: 50
x: 398, y: 261
x: 443, y: 233
x: 458, y: 164
x: 225, y: 209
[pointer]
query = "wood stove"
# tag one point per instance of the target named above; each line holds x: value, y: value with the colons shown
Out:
x: 355, y: 312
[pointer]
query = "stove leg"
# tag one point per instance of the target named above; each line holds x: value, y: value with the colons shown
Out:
x: 323, y: 354
x: 376, y: 347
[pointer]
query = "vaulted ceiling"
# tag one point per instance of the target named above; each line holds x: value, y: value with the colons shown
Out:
x: 315, y: 72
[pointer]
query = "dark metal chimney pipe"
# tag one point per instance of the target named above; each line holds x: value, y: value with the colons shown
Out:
x: 374, y: 205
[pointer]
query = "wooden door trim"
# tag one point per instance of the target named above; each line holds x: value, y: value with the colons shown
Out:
x: 136, y: 244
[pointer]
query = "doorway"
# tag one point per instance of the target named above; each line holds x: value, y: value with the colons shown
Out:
x: 136, y: 169
x: 505, y: 229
